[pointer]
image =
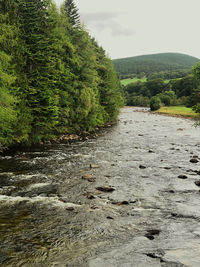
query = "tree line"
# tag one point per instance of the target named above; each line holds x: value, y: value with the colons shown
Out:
x: 164, y: 65
x: 54, y: 77
x: 156, y: 92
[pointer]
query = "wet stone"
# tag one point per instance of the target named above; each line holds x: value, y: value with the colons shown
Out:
x: 70, y: 208
x: 156, y: 255
x: 88, y: 177
x: 109, y: 218
x: 150, y: 237
x: 197, y: 182
x: 194, y: 160
x: 93, y: 166
x: 105, y: 189
x: 171, y: 191
x: 167, y: 168
x: 151, y: 151
x: 153, y: 232
x: 182, y: 177
x: 142, y: 167
x: 120, y: 202
x: 90, y: 196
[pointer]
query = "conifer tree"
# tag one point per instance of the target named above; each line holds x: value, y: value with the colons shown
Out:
x: 54, y: 78
x: 72, y: 13
x: 37, y: 27
x: 8, y: 116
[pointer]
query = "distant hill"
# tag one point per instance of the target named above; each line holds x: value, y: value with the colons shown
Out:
x: 154, y: 63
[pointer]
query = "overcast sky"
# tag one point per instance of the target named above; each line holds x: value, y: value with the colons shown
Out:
x: 135, y: 27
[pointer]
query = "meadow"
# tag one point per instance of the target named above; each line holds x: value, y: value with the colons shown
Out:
x: 127, y: 81
x: 178, y: 111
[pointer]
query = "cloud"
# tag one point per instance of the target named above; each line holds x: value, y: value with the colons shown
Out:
x: 98, y: 16
x: 102, y: 21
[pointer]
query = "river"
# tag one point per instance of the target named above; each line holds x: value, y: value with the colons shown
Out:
x: 137, y: 206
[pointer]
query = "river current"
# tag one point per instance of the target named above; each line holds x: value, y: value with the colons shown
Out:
x: 129, y: 197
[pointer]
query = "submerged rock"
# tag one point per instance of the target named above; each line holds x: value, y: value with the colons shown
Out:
x: 110, y: 218
x: 90, y: 196
x: 120, y: 202
x: 105, y: 189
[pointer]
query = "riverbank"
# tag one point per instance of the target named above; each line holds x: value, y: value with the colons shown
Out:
x: 178, y: 111
x: 61, y: 139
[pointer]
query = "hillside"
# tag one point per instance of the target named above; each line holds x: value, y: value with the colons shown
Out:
x: 154, y: 63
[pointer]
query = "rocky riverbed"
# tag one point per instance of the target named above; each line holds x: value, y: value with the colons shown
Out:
x: 129, y: 197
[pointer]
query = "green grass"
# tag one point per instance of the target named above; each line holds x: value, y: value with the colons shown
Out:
x: 143, y: 80
x: 127, y: 81
x: 178, y: 111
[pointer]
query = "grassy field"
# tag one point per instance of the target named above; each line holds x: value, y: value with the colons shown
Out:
x: 144, y: 79
x: 178, y: 111
x: 127, y: 81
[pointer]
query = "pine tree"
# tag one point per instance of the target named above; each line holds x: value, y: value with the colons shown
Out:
x: 109, y: 85
x: 8, y: 115
x: 37, y: 27
x: 65, y: 68
x: 72, y: 13
x: 54, y: 78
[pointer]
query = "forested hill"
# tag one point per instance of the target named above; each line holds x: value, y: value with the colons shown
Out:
x: 154, y: 63
x: 54, y: 77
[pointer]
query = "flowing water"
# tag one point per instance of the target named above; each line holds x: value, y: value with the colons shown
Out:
x: 50, y: 216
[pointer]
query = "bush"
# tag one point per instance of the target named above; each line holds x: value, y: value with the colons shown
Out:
x: 166, y: 100
x: 155, y: 103
x: 140, y: 101
x: 182, y: 100
x: 196, y: 108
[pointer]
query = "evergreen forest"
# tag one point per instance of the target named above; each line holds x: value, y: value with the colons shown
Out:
x: 54, y: 77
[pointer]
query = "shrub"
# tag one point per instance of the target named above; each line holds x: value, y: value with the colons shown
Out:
x: 140, y: 101
x: 155, y: 103
x: 166, y: 100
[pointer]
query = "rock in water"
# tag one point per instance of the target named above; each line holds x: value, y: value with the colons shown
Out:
x: 93, y: 166
x: 197, y: 182
x: 182, y: 177
x: 120, y: 202
x: 142, y: 167
x: 90, y: 196
x: 105, y: 189
x: 88, y: 177
x: 194, y: 160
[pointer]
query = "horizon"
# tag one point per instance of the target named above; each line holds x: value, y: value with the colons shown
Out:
x: 159, y: 53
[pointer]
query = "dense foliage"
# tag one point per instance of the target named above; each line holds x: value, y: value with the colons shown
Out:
x: 54, y: 78
x: 168, y: 65
x: 183, y: 91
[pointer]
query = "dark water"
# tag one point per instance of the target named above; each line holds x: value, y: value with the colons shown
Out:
x: 50, y: 216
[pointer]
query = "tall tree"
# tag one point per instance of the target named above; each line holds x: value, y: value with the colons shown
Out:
x: 37, y: 27
x: 72, y: 13
x: 8, y: 116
